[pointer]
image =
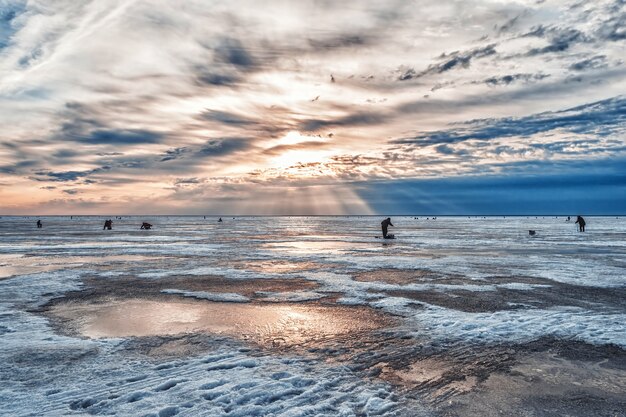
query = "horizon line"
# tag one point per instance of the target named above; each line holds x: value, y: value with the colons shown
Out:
x: 317, y: 215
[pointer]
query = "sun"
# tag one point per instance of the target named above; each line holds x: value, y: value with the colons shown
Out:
x: 295, y: 149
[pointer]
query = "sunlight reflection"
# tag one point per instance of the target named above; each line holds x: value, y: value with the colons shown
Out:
x: 290, y: 323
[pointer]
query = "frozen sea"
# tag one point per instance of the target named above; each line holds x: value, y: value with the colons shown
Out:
x: 296, y: 316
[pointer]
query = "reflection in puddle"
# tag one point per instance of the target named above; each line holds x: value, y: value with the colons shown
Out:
x: 266, y: 324
x: 312, y: 246
x: 14, y: 264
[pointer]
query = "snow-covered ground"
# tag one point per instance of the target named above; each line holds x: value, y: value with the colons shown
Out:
x: 48, y: 372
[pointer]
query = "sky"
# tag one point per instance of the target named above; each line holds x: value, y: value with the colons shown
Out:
x: 312, y: 107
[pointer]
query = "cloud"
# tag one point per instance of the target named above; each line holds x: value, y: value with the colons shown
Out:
x: 223, y: 147
x: 342, y: 40
x: 451, y: 61
x: 226, y: 118
x: 231, y: 51
x: 86, y: 124
x: 193, y: 180
x: 596, y: 62
x: 559, y: 39
x: 351, y: 120
x: 138, y: 99
x: 311, y: 144
x: 67, y: 175
x: 600, y: 118
x: 118, y: 136
x: 216, y: 79
x: 612, y: 29
x: 175, y: 153
x: 511, y: 78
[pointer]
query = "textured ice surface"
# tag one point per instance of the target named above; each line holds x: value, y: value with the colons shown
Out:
x: 211, y: 296
x: 45, y: 373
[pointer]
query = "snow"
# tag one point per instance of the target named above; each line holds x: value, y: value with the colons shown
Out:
x: 49, y: 372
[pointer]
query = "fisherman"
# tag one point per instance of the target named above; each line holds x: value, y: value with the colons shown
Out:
x: 39, y: 224
x: 386, y: 223
x: 108, y: 224
x: 581, y: 223
x: 146, y: 226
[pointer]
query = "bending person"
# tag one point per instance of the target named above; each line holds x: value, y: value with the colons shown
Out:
x: 386, y: 223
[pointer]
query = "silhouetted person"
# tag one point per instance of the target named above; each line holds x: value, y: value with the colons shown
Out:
x: 108, y: 224
x: 220, y: 220
x: 581, y: 223
x: 146, y: 226
x: 385, y: 224
x: 569, y: 218
x: 39, y: 224
x: 532, y: 233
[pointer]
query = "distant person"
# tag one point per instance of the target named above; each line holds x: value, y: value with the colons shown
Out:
x: 108, y: 225
x: 532, y: 233
x: 146, y: 226
x: 581, y: 223
x: 569, y: 218
x: 39, y: 224
x: 385, y: 224
x: 220, y: 220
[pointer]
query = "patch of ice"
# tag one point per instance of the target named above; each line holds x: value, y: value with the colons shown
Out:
x: 229, y: 273
x: 522, y: 286
x: 518, y: 325
x: 296, y: 296
x: 230, y: 297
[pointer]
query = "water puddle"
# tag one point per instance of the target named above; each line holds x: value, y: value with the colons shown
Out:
x: 273, y: 324
x: 316, y: 246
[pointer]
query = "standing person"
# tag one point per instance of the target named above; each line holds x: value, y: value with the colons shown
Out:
x: 581, y: 223
x: 108, y: 224
x: 39, y: 224
x: 386, y: 223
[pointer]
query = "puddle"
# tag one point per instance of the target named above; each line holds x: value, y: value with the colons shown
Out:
x: 315, y: 246
x: 276, y: 324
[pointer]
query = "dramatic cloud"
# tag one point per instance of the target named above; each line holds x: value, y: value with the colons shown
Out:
x: 602, y: 118
x: 189, y: 107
